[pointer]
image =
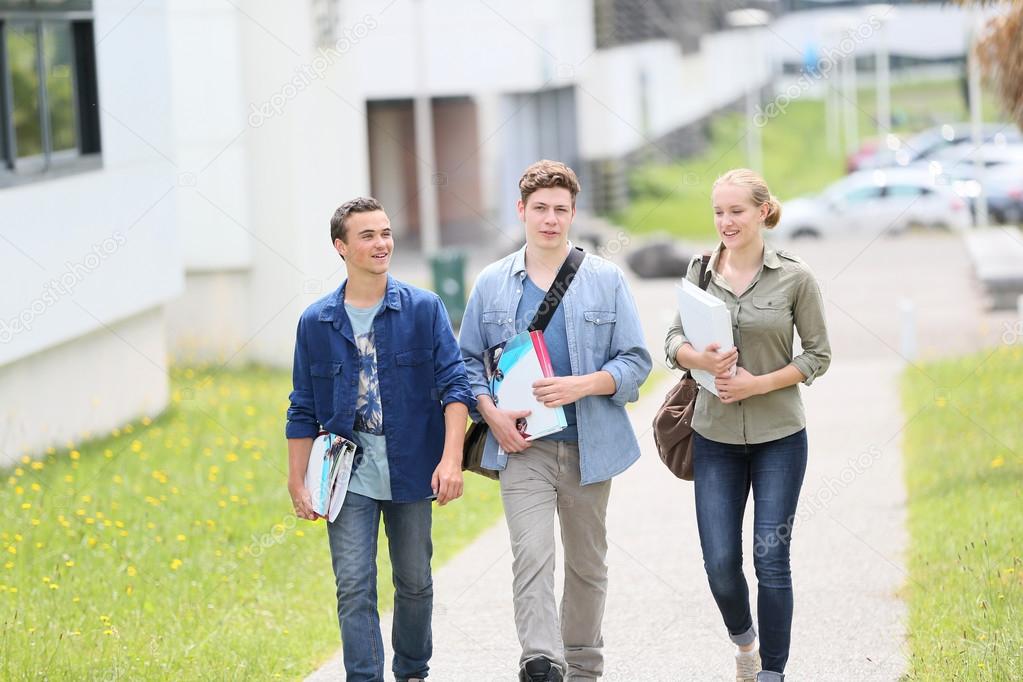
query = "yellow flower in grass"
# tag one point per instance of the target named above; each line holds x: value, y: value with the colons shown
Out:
x: 37, y: 465
x: 181, y: 537
x: 26, y: 505
x: 136, y: 446
x: 175, y: 564
x: 36, y: 487
x: 997, y: 462
x: 132, y: 571
x: 75, y: 454
x: 231, y: 457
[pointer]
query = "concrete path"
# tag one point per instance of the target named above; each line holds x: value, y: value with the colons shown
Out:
x: 849, y: 539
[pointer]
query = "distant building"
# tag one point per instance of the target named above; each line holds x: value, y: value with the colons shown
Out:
x: 168, y: 168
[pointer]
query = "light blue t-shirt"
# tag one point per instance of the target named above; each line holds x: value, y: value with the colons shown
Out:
x: 372, y: 477
x: 556, y: 339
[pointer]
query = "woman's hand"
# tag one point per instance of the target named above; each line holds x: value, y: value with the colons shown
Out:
x: 718, y: 363
x: 733, y: 389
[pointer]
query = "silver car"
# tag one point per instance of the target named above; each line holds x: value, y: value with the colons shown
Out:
x: 889, y: 200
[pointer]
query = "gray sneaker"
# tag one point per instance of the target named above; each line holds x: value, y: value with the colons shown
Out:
x: 747, y: 665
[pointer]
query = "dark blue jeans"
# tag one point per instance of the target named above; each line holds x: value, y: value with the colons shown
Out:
x: 353, y: 549
x: 723, y: 475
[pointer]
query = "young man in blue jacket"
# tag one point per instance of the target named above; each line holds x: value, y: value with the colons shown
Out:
x: 599, y: 355
x: 377, y: 362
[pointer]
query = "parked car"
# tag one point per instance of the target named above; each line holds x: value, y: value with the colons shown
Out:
x: 1001, y: 178
x: 892, y: 200
x: 923, y: 145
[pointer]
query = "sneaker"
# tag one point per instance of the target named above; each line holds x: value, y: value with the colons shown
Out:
x: 747, y: 665
x: 539, y: 670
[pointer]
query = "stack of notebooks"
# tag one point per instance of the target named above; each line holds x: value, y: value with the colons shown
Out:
x: 511, y: 368
x: 328, y: 473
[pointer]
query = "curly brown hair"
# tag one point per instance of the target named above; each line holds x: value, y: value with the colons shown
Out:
x: 546, y: 173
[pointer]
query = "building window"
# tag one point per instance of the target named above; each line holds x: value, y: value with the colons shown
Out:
x: 49, y: 119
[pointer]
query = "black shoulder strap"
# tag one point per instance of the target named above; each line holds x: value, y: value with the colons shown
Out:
x: 563, y: 280
x: 704, y: 275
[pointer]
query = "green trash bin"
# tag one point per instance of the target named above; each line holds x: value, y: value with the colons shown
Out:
x: 448, y: 268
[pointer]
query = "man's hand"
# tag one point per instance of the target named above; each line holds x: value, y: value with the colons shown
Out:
x: 561, y: 391
x: 447, y: 478
x: 733, y: 389
x: 502, y: 425
x: 301, y: 501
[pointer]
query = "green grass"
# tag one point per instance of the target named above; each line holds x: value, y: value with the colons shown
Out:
x: 675, y: 198
x: 169, y: 549
x: 964, y: 474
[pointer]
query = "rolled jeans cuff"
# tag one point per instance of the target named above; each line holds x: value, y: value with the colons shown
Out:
x: 744, y: 638
x: 770, y: 676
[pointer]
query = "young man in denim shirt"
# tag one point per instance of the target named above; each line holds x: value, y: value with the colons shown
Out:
x: 600, y: 359
x: 376, y: 362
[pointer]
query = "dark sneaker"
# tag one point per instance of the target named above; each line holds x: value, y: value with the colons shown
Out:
x: 539, y: 670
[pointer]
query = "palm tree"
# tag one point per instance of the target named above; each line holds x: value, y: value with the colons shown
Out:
x: 1000, y: 53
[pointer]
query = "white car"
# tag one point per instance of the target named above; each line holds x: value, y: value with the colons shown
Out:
x: 873, y: 202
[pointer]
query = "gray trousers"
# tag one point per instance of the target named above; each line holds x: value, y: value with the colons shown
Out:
x: 539, y: 482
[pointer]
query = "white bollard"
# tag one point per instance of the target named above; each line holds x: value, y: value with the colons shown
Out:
x: 907, y: 319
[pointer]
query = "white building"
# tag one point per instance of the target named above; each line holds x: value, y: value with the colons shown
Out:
x: 170, y: 167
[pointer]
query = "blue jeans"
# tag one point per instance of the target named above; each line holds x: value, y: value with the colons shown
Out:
x: 723, y: 475
x: 353, y: 549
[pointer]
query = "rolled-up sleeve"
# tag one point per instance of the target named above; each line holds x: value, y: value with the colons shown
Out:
x: 448, y: 367
x: 629, y: 362
x: 808, y: 311
x: 301, y: 417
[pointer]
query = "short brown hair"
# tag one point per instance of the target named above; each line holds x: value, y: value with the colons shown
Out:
x: 356, y: 205
x: 544, y: 174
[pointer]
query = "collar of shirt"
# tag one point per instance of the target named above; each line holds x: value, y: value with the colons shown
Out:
x: 770, y: 261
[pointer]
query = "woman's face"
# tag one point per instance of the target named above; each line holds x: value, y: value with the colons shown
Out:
x: 737, y: 219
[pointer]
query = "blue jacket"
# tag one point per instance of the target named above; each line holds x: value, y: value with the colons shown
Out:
x: 419, y: 367
x: 604, y: 333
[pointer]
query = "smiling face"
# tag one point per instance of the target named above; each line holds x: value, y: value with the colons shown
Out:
x: 547, y: 213
x: 738, y: 220
x: 368, y: 244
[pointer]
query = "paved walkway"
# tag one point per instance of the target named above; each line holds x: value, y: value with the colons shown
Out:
x: 849, y: 539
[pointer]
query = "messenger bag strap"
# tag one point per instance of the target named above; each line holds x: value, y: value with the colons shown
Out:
x: 563, y: 280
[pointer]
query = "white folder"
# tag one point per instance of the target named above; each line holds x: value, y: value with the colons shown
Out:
x: 705, y: 320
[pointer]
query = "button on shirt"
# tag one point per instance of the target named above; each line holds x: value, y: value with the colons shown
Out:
x: 784, y: 296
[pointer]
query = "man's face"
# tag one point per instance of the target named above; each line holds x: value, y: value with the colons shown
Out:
x: 548, y: 214
x: 368, y: 244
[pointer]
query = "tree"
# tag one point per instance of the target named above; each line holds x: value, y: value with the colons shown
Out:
x: 999, y: 50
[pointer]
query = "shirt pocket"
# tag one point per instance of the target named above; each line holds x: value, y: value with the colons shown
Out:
x: 598, y: 327
x: 415, y: 373
x: 772, y: 312
x: 326, y: 383
x: 498, y: 326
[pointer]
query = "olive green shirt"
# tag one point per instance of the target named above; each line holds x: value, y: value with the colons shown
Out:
x: 783, y: 296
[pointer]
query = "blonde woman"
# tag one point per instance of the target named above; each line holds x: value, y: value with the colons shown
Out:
x: 752, y: 435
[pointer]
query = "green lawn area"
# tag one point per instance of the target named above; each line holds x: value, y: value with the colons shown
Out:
x: 964, y: 474
x: 675, y: 199
x: 168, y: 549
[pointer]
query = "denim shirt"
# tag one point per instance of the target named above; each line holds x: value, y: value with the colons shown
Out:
x: 419, y: 368
x: 604, y: 333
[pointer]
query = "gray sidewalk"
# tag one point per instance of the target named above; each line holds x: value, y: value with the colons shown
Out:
x: 849, y: 540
